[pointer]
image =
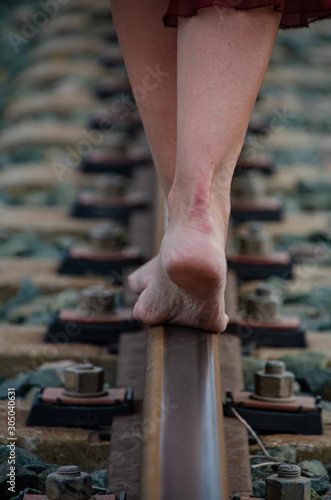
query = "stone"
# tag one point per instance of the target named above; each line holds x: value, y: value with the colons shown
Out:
x: 259, y: 489
x: 320, y: 484
x: 310, y: 370
x: 23, y: 478
x: 25, y: 458
x: 326, y: 390
x: 328, y: 468
x: 250, y: 366
x: 307, y: 448
x: 26, y: 292
x: 43, y: 475
x: 314, y: 467
x: 44, y: 378
x: 20, y: 385
x: 99, y: 478
x: 24, y: 382
x: 40, y: 310
x: 320, y: 481
x: 284, y: 454
x: 31, y: 394
x: 261, y: 473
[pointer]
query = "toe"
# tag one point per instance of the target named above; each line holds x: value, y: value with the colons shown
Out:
x: 134, y: 283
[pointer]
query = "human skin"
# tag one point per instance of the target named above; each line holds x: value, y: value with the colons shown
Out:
x: 195, y: 120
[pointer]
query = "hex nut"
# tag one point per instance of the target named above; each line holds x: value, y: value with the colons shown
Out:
x: 68, y: 483
x: 249, y: 186
x: 84, y: 381
x: 106, y: 236
x: 255, y: 240
x: 97, y: 300
x: 274, y: 384
x: 264, y: 304
x: 287, y: 484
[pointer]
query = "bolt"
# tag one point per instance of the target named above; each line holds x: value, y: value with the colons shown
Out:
x: 288, y: 484
x: 275, y: 367
x: 84, y: 381
x: 85, y: 367
x: 255, y: 240
x: 69, y: 470
x: 249, y: 186
x: 274, y: 384
x: 96, y: 299
x: 288, y: 471
x: 264, y: 304
x: 264, y: 290
x: 106, y: 236
x: 68, y: 483
x: 108, y: 186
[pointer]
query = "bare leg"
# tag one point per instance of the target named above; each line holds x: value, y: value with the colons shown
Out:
x: 151, y: 49
x: 150, y: 54
x: 222, y: 58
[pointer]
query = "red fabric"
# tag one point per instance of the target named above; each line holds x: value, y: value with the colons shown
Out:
x: 296, y: 13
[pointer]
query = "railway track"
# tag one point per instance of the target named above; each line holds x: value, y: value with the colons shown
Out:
x: 164, y: 412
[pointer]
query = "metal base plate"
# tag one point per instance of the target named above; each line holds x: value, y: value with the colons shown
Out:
x: 269, y: 418
x: 88, y: 206
x: 78, y: 413
x: 72, y: 328
x: 259, y: 268
x: 285, y: 333
x: 83, y: 260
x: 98, y: 163
x: 268, y: 209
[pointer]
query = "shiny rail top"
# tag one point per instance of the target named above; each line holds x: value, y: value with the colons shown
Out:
x: 183, y: 437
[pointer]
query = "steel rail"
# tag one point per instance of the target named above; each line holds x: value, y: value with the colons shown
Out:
x: 183, y: 436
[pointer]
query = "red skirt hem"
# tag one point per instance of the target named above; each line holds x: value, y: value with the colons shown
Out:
x: 295, y: 13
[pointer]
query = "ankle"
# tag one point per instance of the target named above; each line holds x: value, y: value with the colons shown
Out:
x: 209, y: 208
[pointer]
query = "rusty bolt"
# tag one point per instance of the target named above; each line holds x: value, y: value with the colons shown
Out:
x: 250, y: 186
x: 264, y: 304
x: 288, y: 484
x: 68, y: 483
x: 84, y: 381
x: 96, y: 299
x: 108, y: 186
x: 255, y: 240
x: 106, y: 236
x: 274, y: 384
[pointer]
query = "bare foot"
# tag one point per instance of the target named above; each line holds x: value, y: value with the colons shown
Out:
x: 188, y: 281
x: 139, y: 279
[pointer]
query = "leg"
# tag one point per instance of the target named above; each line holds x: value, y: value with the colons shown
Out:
x: 222, y: 58
x: 147, y: 45
x: 150, y: 54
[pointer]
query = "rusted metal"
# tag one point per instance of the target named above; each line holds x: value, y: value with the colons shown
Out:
x: 264, y: 303
x: 305, y: 404
x: 68, y: 483
x: 274, y: 383
x: 288, y: 484
x: 183, y: 435
x: 84, y: 381
x: 124, y: 459
x: 106, y: 236
x: 255, y: 240
x: 55, y: 395
x: 96, y: 299
x: 250, y: 186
